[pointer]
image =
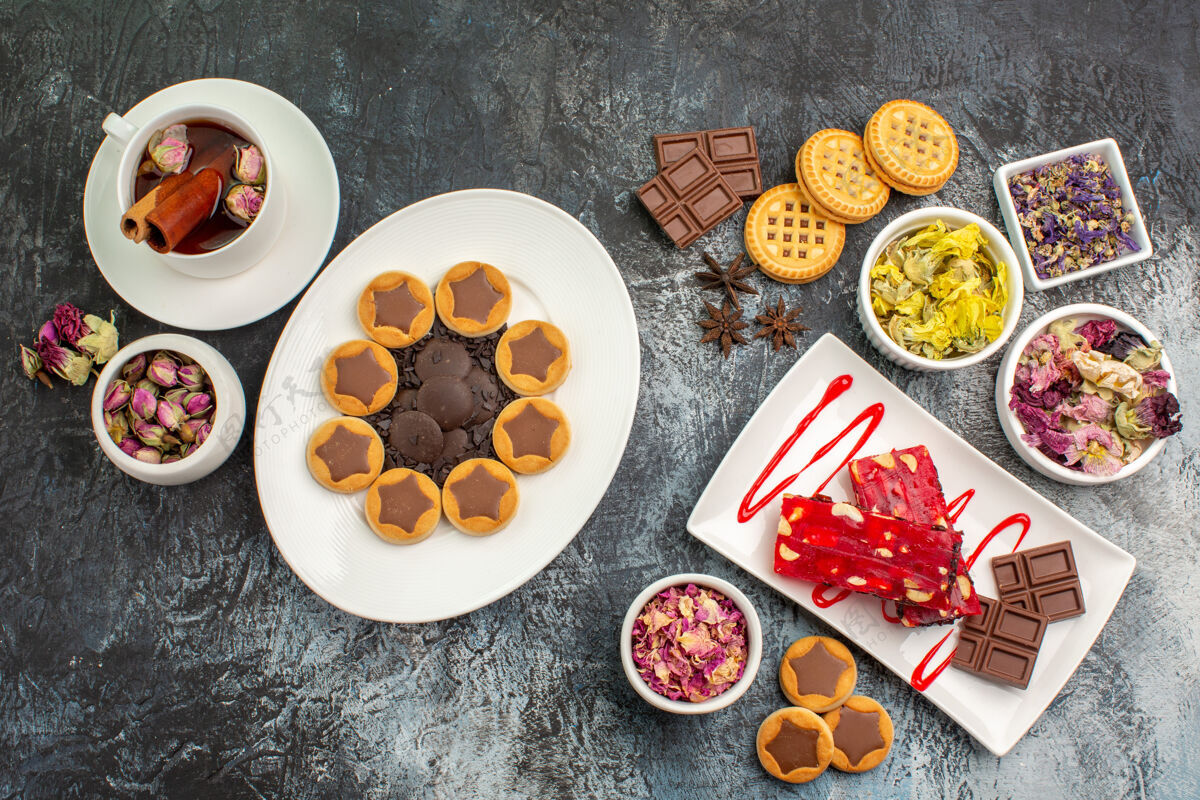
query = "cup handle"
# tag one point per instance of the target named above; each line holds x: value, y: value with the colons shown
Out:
x: 119, y: 129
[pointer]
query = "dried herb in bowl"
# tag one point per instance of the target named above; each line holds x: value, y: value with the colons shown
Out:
x: 1071, y: 215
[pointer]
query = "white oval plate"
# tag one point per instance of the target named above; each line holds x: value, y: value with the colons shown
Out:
x: 560, y: 273
x: 146, y: 282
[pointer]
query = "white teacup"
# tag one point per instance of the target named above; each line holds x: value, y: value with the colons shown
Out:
x: 251, y: 245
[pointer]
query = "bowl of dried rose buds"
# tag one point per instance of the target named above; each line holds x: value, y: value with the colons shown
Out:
x: 691, y: 644
x: 168, y: 409
x: 1086, y: 395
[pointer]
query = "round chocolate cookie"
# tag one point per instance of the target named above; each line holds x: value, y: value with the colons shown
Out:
x: 487, y: 395
x: 406, y: 400
x: 442, y: 357
x: 455, y: 444
x: 447, y: 399
x: 416, y: 435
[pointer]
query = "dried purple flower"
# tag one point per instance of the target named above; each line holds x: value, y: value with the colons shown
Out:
x: 1160, y: 413
x: 1122, y: 344
x: 162, y: 369
x: 169, y: 149
x: 1098, y: 332
x: 135, y: 368
x: 143, y: 404
x: 244, y: 201
x: 31, y: 362
x: 65, y: 362
x: 149, y: 455
x: 118, y: 394
x: 198, y: 404
x: 169, y: 414
x: 1096, y: 450
x: 249, y: 165
x: 69, y: 321
x: 191, y: 376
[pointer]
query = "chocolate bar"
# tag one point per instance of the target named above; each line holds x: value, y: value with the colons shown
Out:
x: 734, y: 151
x: 841, y: 545
x: 1043, y: 579
x: 689, y: 198
x: 1000, y: 643
x: 905, y: 484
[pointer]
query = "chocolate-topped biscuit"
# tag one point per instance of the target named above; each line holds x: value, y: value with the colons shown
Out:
x: 345, y: 454
x: 533, y: 357
x: 447, y: 399
x: 794, y: 745
x: 862, y: 734
x: 396, y: 309
x: 403, y: 506
x: 531, y: 435
x: 359, y: 377
x: 817, y: 673
x: 480, y: 497
x: 416, y: 435
x: 473, y: 298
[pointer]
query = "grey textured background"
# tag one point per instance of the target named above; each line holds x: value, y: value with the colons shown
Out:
x: 152, y: 642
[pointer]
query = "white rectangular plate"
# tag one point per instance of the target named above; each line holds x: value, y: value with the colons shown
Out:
x: 997, y: 715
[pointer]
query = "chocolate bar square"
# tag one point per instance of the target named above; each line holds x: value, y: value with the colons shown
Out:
x: 688, y: 198
x: 1001, y: 643
x: 734, y: 152
x: 1043, y: 579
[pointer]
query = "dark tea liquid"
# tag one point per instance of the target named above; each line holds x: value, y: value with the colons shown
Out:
x: 212, y: 145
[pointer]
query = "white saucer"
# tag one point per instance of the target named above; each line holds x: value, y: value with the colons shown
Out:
x: 143, y: 281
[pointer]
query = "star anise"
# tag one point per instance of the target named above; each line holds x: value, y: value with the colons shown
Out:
x: 778, y: 323
x: 724, y: 326
x: 729, y: 279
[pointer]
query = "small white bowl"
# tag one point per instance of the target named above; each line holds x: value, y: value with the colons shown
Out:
x: 229, y: 416
x: 1107, y: 148
x: 753, y: 640
x: 1013, y: 427
x: 997, y: 249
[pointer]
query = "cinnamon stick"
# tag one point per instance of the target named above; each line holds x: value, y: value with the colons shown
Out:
x: 178, y: 215
x: 133, y: 224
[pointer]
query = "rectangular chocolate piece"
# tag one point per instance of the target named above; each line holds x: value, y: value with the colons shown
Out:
x: 689, y: 198
x: 1001, y: 642
x: 734, y: 152
x: 1043, y: 579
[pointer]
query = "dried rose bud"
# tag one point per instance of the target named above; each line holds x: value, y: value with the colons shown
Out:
x: 129, y: 446
x: 244, y: 201
x: 148, y: 455
x: 150, y: 433
x: 185, y: 448
x: 70, y: 323
x: 149, y: 385
x: 162, y: 370
x: 64, y: 362
x: 118, y: 394
x: 198, y: 404
x: 191, y: 376
x: 31, y: 362
x: 169, y: 414
x: 168, y: 149
x: 101, y: 339
x: 135, y: 368
x: 143, y: 404
x: 249, y: 165
x: 117, y: 425
x: 187, y: 430
x: 171, y: 458
x: 48, y: 333
x: 202, y: 433
x: 177, y: 395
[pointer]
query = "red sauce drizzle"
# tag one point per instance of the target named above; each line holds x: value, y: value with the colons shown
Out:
x: 883, y: 609
x: 959, y: 504
x: 748, y: 509
x: 919, y: 680
x: 820, y: 600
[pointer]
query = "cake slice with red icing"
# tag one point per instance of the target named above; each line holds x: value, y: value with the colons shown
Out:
x: 848, y: 547
x: 905, y: 484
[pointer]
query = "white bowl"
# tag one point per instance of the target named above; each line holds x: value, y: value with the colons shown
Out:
x: 1107, y: 148
x: 250, y: 246
x: 1013, y: 427
x: 997, y: 249
x: 229, y: 416
x: 753, y: 640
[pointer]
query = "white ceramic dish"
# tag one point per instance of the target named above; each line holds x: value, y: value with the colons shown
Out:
x: 997, y: 249
x: 753, y: 641
x: 1013, y: 427
x: 229, y: 414
x: 146, y: 282
x: 560, y: 273
x: 253, y: 244
x: 995, y: 714
x: 1108, y: 149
